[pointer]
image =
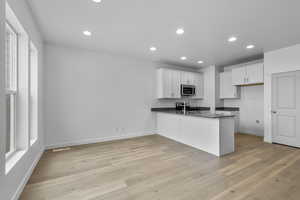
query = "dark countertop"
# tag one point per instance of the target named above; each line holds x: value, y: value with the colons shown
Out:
x: 194, y: 112
x: 234, y: 109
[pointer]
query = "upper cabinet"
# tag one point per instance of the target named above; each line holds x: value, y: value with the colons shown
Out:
x: 169, y: 82
x: 187, y: 78
x: 248, y: 75
x: 227, y: 90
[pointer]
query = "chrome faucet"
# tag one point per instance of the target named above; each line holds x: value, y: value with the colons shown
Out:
x: 184, y: 106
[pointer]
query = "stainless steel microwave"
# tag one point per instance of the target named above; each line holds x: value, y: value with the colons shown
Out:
x: 188, y: 90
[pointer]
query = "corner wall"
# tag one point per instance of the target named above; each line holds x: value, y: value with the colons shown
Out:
x: 282, y: 60
x: 11, y: 184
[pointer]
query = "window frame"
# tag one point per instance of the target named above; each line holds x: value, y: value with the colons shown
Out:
x: 12, y: 93
x: 22, y: 143
x: 33, y: 92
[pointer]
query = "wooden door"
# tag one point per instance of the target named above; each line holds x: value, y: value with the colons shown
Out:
x: 286, y: 108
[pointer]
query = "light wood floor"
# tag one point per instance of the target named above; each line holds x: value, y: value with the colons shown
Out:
x: 156, y: 168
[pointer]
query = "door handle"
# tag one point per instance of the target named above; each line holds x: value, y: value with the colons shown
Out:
x: 274, y: 112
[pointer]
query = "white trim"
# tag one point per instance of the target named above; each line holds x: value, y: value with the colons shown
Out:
x: 98, y: 140
x: 23, y: 183
x: 13, y: 159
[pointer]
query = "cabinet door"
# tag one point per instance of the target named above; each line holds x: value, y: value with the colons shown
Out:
x: 175, y: 83
x: 187, y: 78
x: 168, y: 84
x: 164, y: 84
x: 255, y: 73
x: 199, y: 83
x: 183, y: 77
x: 239, y: 76
x: 227, y: 90
x: 192, y: 76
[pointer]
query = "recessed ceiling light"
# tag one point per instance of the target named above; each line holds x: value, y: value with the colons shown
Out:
x: 153, y: 48
x: 97, y: 1
x: 87, y: 33
x: 232, y: 39
x: 250, y: 46
x: 183, y: 58
x: 180, y: 31
x: 200, y: 62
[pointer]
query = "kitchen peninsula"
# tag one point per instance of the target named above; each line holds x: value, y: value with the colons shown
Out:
x: 207, y: 131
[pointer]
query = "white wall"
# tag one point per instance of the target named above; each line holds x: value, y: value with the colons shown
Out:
x: 251, y: 106
x: 282, y: 60
x: 92, y: 97
x: 11, y: 184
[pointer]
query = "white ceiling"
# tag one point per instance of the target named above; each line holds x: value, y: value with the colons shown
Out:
x: 130, y: 27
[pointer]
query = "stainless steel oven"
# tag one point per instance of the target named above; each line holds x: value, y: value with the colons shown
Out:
x: 188, y: 90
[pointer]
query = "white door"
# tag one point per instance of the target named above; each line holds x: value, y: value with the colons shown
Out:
x: 286, y: 108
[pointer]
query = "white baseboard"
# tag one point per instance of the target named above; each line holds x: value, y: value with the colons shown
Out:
x: 98, y: 140
x: 27, y: 176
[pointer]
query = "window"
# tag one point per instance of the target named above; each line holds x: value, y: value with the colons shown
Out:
x: 16, y: 88
x: 11, y: 61
x: 33, y: 93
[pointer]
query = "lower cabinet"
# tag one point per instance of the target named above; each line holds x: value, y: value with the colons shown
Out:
x: 169, y: 126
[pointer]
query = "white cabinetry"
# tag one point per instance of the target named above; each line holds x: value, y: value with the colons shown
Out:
x: 187, y: 78
x: 255, y: 73
x: 227, y: 90
x: 248, y: 75
x: 199, y: 83
x: 239, y: 76
x: 169, y: 81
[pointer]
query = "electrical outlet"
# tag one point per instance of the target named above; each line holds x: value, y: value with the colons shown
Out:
x: 257, y: 121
